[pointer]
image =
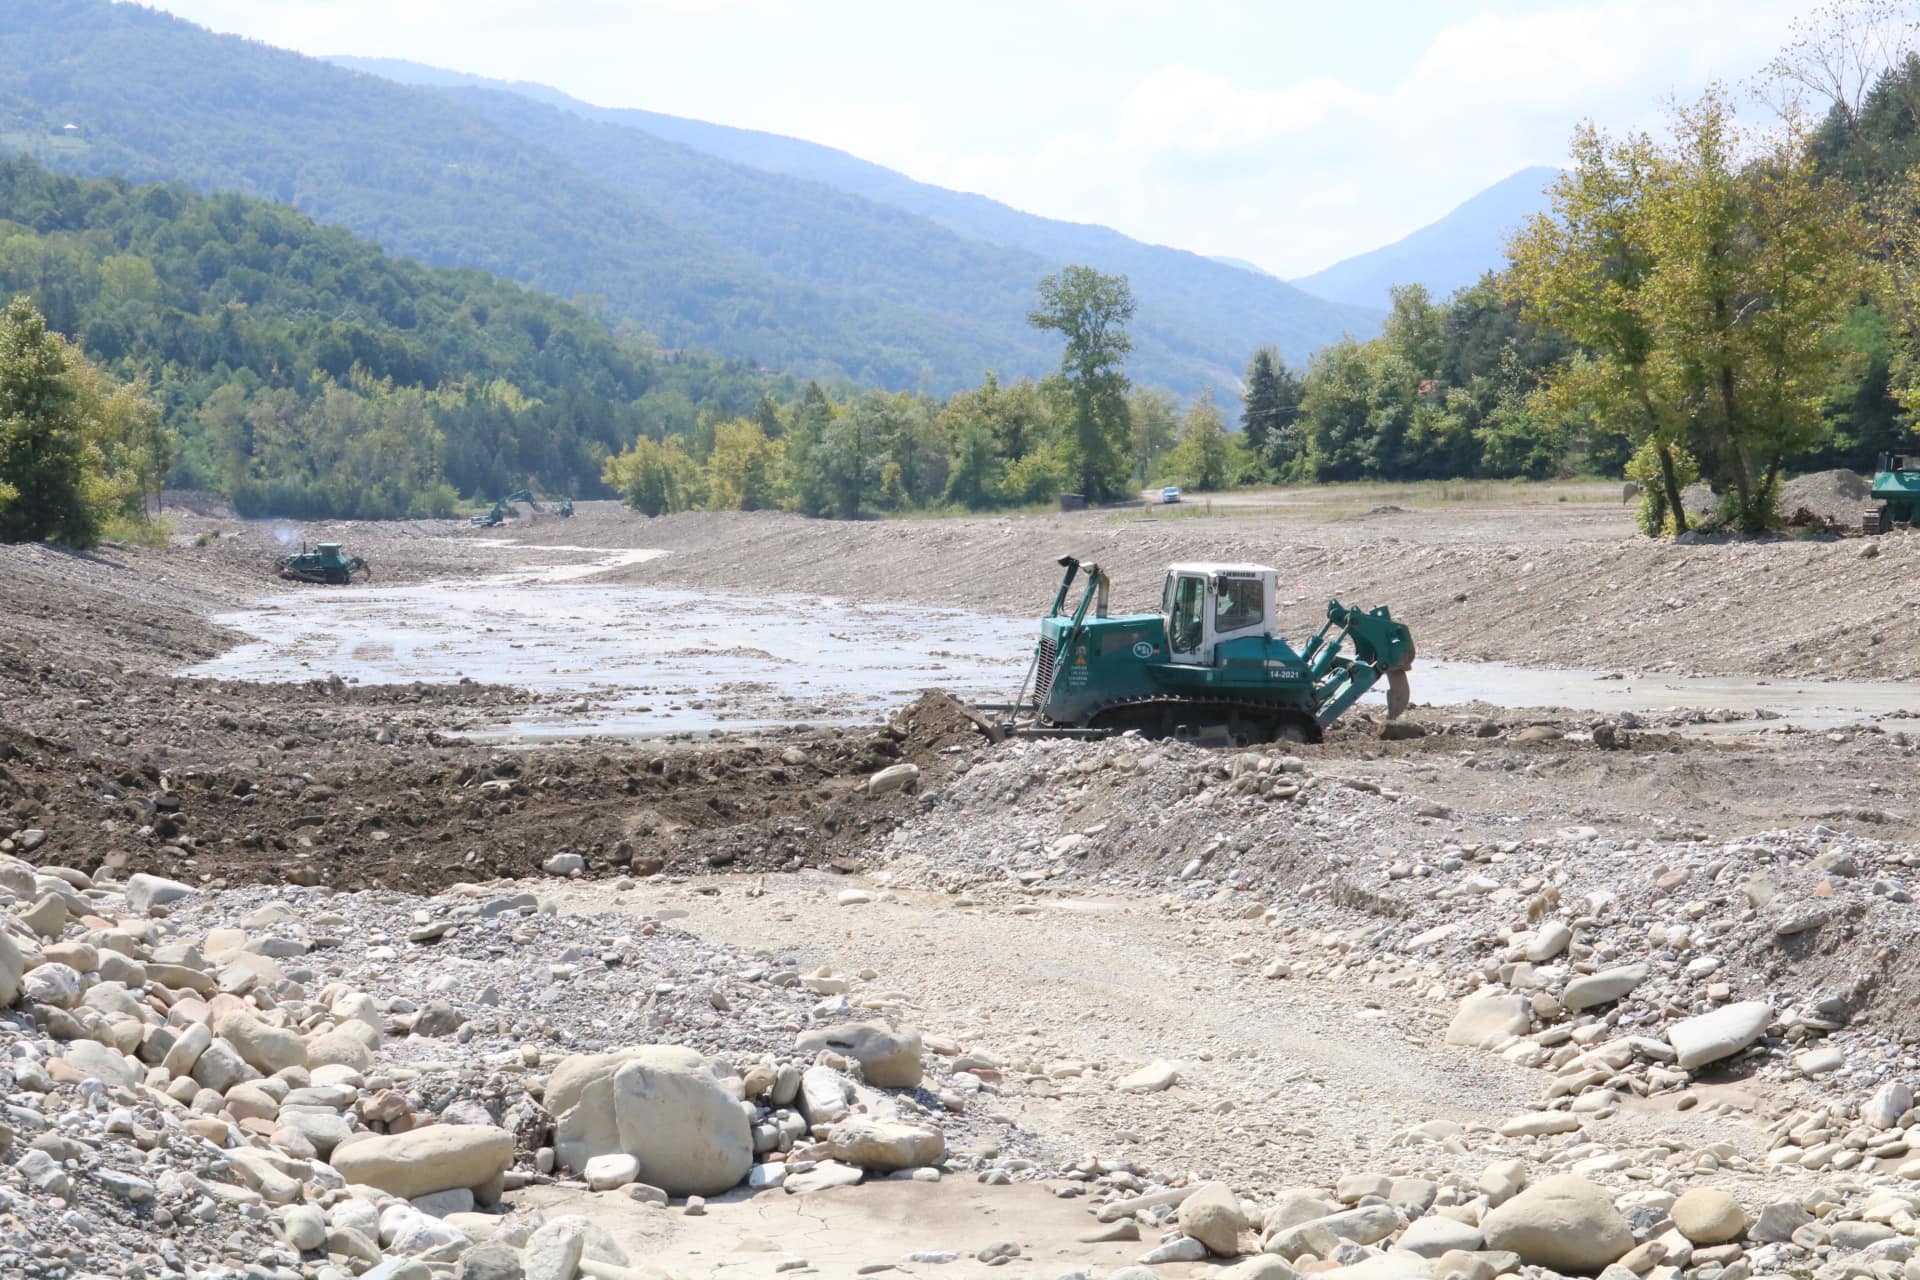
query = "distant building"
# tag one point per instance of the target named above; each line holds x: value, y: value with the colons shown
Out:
x: 68, y: 131
x: 1430, y: 386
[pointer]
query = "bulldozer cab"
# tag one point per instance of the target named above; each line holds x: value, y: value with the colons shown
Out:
x: 1206, y: 603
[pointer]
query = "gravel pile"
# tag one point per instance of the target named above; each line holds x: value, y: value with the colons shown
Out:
x: 307, y: 1084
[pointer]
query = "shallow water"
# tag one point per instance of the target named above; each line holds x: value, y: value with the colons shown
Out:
x: 651, y: 661
x: 648, y: 661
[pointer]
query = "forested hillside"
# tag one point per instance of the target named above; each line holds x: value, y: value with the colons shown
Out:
x: 308, y: 372
x: 782, y: 271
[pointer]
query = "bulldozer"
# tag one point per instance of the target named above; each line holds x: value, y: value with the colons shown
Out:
x: 325, y: 563
x: 1896, y: 493
x: 1209, y: 666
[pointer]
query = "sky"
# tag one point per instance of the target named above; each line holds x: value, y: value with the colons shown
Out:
x: 1288, y: 134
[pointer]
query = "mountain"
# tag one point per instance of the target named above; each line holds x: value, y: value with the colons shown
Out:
x: 699, y: 250
x: 1443, y: 255
x: 1208, y: 304
x: 1242, y: 264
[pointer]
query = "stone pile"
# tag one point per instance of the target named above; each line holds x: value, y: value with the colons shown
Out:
x: 301, y: 1084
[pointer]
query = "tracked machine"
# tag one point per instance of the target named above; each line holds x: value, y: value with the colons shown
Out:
x: 326, y: 563
x: 1208, y: 666
x: 1896, y: 494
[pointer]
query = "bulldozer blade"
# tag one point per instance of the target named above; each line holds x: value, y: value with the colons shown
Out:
x: 1399, y: 693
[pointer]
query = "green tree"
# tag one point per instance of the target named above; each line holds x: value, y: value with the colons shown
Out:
x: 654, y: 478
x: 43, y: 439
x: 1203, y: 460
x: 1270, y: 410
x: 975, y: 473
x: 1090, y: 311
x: 1585, y: 269
x: 129, y: 449
x: 745, y: 471
x: 1154, y: 425
x: 1415, y: 329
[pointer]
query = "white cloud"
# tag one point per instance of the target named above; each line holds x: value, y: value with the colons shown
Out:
x: 1287, y: 135
x: 1297, y: 173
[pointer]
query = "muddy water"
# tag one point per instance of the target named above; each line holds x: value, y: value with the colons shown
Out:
x: 646, y: 661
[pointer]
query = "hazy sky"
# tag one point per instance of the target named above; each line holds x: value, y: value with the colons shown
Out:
x: 1290, y: 134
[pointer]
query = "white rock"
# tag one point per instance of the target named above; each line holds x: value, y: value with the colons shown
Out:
x: 1719, y: 1034
x: 553, y: 1251
x: 93, y: 1059
x: 1487, y: 1018
x: 889, y: 1056
x: 1565, y: 1223
x: 1888, y: 1103
x: 1537, y: 1124
x: 13, y: 967
x: 304, y: 1226
x: 610, y: 1171
x: 145, y: 892
x: 1178, y: 1249
x: 1434, y: 1235
x: 1156, y: 1077
x: 1593, y: 989
x: 688, y: 1130
x: 897, y: 777
x: 421, y: 1161
x: 886, y: 1144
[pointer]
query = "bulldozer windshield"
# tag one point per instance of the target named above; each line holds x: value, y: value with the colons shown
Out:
x: 1237, y: 605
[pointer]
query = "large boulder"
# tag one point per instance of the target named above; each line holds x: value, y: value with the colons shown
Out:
x: 889, y: 1145
x: 438, y: 1157
x: 1708, y: 1217
x: 1720, y: 1034
x: 889, y: 1057
x: 580, y: 1097
x: 1564, y: 1223
x: 689, y: 1131
x: 1213, y: 1216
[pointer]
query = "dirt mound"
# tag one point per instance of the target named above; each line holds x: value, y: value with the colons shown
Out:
x: 1839, y: 495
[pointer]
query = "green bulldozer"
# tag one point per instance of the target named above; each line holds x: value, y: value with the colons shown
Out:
x: 325, y: 563
x: 1896, y: 493
x: 1208, y: 666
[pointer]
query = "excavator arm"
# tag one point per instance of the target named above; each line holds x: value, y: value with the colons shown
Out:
x: 1381, y: 647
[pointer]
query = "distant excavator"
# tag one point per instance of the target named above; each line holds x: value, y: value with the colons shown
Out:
x: 503, y: 509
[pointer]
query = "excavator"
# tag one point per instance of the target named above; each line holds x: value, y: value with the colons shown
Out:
x: 1209, y: 666
x: 503, y: 509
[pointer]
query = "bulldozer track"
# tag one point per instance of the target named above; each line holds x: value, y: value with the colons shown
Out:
x: 1244, y: 719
